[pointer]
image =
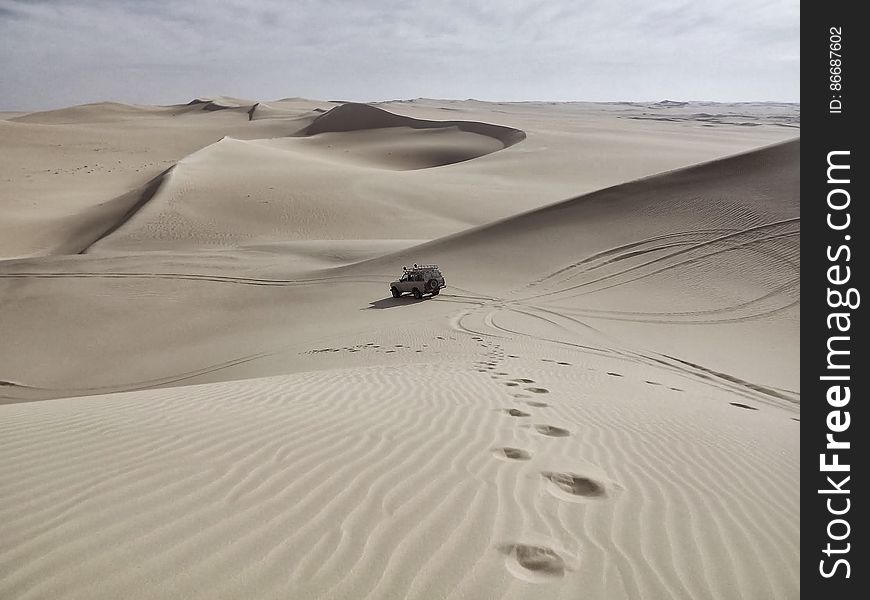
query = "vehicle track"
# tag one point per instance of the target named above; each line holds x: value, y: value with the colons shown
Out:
x: 691, y: 316
x: 698, y: 373
x: 687, y: 261
x: 616, y: 250
x: 133, y: 386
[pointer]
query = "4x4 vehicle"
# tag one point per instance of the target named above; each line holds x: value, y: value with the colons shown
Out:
x: 419, y: 280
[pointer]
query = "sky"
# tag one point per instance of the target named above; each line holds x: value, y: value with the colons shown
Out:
x: 57, y: 53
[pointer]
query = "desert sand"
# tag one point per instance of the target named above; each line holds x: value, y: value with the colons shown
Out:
x: 207, y: 391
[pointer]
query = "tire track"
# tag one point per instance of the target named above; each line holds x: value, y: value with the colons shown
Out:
x: 701, y: 246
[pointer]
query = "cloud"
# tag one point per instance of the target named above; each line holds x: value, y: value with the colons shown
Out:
x: 60, y: 52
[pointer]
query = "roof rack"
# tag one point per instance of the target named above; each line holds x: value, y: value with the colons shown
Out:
x: 419, y: 267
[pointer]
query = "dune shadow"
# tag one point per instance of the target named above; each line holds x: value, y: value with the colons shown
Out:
x: 394, y: 302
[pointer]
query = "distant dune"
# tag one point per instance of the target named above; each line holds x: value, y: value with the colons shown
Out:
x: 208, y: 391
x: 355, y: 117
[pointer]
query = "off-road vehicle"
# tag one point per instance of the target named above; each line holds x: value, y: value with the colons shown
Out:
x: 419, y: 280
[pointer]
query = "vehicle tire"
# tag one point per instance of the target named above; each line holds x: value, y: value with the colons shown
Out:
x: 396, y: 293
x: 436, y: 292
x: 432, y: 285
x: 417, y: 293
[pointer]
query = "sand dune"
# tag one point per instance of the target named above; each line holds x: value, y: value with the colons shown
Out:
x: 221, y: 103
x: 302, y: 191
x: 712, y: 252
x: 365, y: 134
x: 402, y: 148
x: 386, y: 482
x: 55, y: 179
x: 638, y: 284
x: 88, y: 113
x: 749, y: 190
x: 101, y: 112
x: 72, y: 168
x: 356, y: 117
x: 207, y: 391
x: 212, y: 187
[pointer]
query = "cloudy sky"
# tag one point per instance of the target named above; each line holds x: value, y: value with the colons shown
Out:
x: 60, y: 52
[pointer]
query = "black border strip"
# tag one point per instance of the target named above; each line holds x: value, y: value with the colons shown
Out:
x: 834, y: 263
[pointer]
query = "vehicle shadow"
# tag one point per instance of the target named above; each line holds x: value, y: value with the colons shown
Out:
x: 394, y: 302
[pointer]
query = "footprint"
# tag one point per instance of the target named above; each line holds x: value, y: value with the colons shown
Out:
x: 523, y: 380
x: 552, y: 431
x: 746, y: 406
x: 563, y: 363
x: 514, y: 412
x: 612, y: 374
x: 547, y: 360
x: 575, y: 485
x: 520, y: 395
x: 501, y: 373
x: 509, y: 453
x: 389, y: 351
x: 794, y: 419
x: 533, y: 563
x: 676, y: 389
x: 511, y: 383
x: 652, y: 382
x: 537, y: 404
x: 512, y: 356
x: 536, y: 390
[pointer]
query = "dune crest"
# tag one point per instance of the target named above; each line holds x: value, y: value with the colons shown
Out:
x: 355, y: 117
x: 370, y: 136
x: 98, y: 112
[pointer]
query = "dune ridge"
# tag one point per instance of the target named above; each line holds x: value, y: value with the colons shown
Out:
x: 776, y: 162
x: 354, y: 117
x: 106, y: 218
x: 86, y: 113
